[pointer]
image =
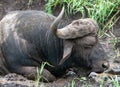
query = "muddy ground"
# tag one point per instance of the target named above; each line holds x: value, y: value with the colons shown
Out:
x: 80, y: 79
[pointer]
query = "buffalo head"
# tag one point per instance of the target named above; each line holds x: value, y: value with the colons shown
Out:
x: 81, y: 42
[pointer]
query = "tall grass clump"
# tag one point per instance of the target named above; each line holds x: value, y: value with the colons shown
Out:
x: 103, y: 11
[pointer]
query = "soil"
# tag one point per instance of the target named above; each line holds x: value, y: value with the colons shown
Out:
x: 80, y: 79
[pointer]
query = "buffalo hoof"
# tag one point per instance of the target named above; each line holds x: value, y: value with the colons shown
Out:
x: 47, y: 76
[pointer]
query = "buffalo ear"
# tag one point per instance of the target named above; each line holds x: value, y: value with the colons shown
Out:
x: 68, y: 45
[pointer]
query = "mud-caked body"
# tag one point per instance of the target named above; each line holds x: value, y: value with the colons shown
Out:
x: 28, y: 38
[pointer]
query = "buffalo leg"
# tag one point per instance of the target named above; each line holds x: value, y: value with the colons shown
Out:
x: 32, y: 72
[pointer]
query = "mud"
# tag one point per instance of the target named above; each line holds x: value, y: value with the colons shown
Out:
x: 80, y: 79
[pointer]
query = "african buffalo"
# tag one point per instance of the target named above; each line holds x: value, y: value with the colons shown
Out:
x: 28, y: 38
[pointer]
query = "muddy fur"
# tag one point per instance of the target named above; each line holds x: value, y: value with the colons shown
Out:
x: 27, y: 41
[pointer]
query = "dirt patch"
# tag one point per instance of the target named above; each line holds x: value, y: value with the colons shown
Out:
x: 80, y: 79
x: 11, y: 5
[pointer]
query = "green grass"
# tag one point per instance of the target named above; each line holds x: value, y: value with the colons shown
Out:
x: 73, y: 82
x: 29, y: 3
x: 39, y: 76
x: 115, y: 81
x: 110, y: 80
x: 103, y: 11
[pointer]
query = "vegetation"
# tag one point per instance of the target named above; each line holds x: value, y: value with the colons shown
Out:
x: 103, y: 11
x: 39, y: 75
x: 115, y: 81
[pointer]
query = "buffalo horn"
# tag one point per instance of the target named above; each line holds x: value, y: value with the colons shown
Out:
x: 86, y: 12
x: 55, y: 23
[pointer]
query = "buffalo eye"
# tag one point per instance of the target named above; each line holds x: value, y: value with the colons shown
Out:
x: 88, y: 46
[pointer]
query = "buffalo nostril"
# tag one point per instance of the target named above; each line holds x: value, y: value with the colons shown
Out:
x: 105, y: 65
